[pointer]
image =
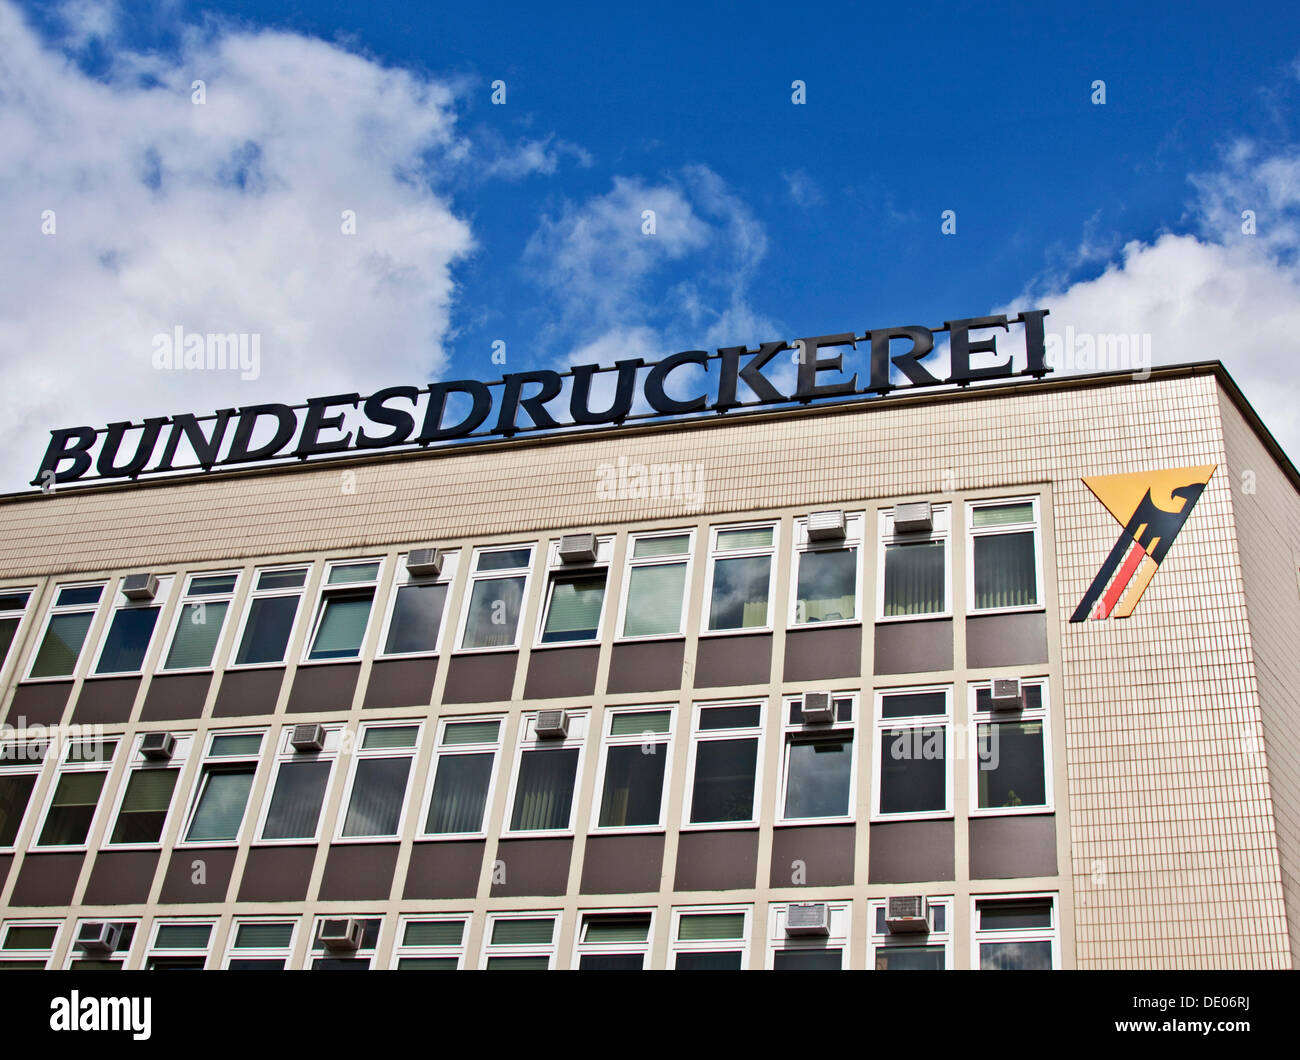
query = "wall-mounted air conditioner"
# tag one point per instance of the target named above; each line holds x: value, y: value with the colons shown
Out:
x: 140, y: 586
x: 551, y: 725
x: 818, y: 708
x: 1006, y: 694
x: 342, y: 934
x: 808, y: 918
x: 578, y: 548
x: 424, y: 562
x: 158, y: 746
x: 309, y: 737
x: 907, y: 914
x: 98, y: 937
x: 914, y: 518
x: 827, y: 526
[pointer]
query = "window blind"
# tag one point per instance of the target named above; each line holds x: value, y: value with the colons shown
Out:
x: 196, y: 636
x: 654, y: 600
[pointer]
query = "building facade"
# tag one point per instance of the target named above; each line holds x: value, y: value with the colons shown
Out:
x: 252, y: 719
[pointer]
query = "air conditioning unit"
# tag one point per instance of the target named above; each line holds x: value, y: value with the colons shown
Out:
x: 578, y: 548
x: 140, y: 586
x: 827, y: 526
x: 159, y: 746
x: 808, y: 918
x: 913, y: 518
x: 98, y: 937
x: 424, y: 562
x: 310, y: 737
x: 907, y: 914
x: 1006, y: 694
x: 818, y: 708
x: 340, y: 934
x: 552, y: 725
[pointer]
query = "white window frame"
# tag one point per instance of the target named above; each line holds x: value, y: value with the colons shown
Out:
x: 941, y: 531
x: 505, y: 949
x: 411, y: 754
x: 1049, y: 934
x: 494, y: 748
x: 882, y: 726
x: 29, y: 769
x: 686, y: 559
x: 603, y: 562
x: 401, y: 951
x: 1008, y: 528
x: 678, y: 946
x: 254, y: 953
x: 137, y: 763
x: 187, y: 597
x: 232, y: 651
x: 475, y: 576
x: 197, y: 786
x: 773, y: 553
x: 579, y: 726
x: 664, y: 743
x: 1041, y: 713
x: 152, y: 949
x: 855, y: 522
x: 316, y: 952
x: 67, y: 609
x: 403, y: 578
x: 10, y: 661
x: 160, y: 602
x: 332, y: 752
x: 791, y: 733
x: 877, y: 941
x: 582, y: 948
x: 127, y: 955
x: 324, y: 591
x: 840, y: 914
x: 45, y: 955
x: 67, y: 765
x: 758, y: 732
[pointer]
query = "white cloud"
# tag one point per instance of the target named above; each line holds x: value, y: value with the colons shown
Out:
x: 802, y: 189
x: 222, y: 217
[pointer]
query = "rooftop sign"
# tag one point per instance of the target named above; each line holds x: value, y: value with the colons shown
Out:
x: 466, y: 409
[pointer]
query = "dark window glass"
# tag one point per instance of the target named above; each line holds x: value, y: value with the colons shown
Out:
x: 517, y: 964
x: 426, y: 964
x: 817, y: 784
x: 127, y: 640
x: 459, y: 793
x: 87, y: 595
x: 910, y: 958
x: 745, y: 717
x: 15, y: 792
x: 61, y: 645
x: 72, y: 809
x: 544, y: 792
x: 7, y: 628
x: 708, y: 962
x: 144, y: 806
x: 296, y: 802
x: 13, y: 601
x: 343, y: 621
x: 266, y: 634
x: 574, y: 611
x: 634, y: 781
x: 611, y: 962
x: 739, y: 598
x: 724, y: 780
x: 806, y: 960
x: 1016, y: 956
x: 340, y: 964
x: 1004, y: 568
x: 378, y: 791
x: 176, y: 964
x: 913, y: 705
x: 95, y: 964
x: 914, y: 575
x: 220, y: 810
x: 282, y: 579
x: 913, y: 771
x: 417, y: 615
x: 510, y: 559
x: 1012, y: 771
x: 493, y: 612
x: 827, y: 585
x: 1015, y: 915
x: 256, y: 964
x: 21, y: 966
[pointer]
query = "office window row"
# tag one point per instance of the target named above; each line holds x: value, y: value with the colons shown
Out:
x: 915, y: 932
x: 914, y: 738
x: 914, y: 561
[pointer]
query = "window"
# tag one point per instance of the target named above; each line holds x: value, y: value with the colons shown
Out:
x: 614, y: 941
x: 179, y: 945
x: 633, y: 768
x: 74, y: 800
x: 13, y: 605
x: 463, y: 772
x: 740, y: 577
x: 381, y: 769
x: 575, y: 597
x: 270, y: 615
x: 224, y: 783
x: 358, y: 960
x: 495, y: 601
x: 545, y: 776
x: 1012, y: 773
x: 927, y: 951
x: 65, y: 631
x: 724, y: 763
x: 913, y: 737
x: 710, y: 938
x: 788, y: 953
x: 199, y: 621
x: 146, y: 795
x: 520, y: 942
x: 818, y: 764
x: 914, y: 581
x: 415, y: 609
x: 654, y: 593
x: 27, y: 945
x: 80, y: 961
x: 126, y: 640
x: 260, y: 945
x: 298, y: 788
x: 824, y: 579
x: 343, y: 613
x: 20, y: 767
x: 1016, y: 932
x: 1004, y: 570
x: 430, y: 943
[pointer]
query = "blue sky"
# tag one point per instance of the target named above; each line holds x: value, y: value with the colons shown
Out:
x: 520, y: 223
